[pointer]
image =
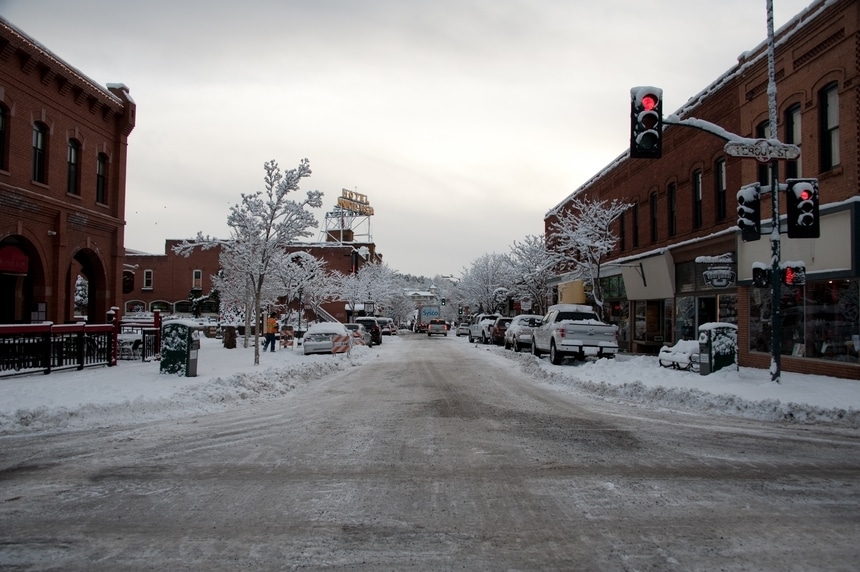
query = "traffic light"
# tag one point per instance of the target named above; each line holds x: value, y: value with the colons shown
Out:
x: 802, y: 199
x: 646, y: 122
x: 761, y: 277
x: 749, y: 212
x: 794, y: 274
x: 443, y: 301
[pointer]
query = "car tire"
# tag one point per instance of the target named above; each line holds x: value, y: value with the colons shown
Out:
x: 470, y: 337
x: 535, y: 351
x: 554, y: 356
x: 483, y: 339
x: 516, y: 346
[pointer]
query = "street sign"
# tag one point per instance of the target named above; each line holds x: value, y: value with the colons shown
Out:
x: 762, y: 150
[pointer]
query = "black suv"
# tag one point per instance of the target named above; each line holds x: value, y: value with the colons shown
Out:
x: 371, y: 325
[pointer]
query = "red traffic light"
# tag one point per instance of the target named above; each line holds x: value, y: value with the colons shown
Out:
x: 649, y: 102
x: 805, y: 194
x: 788, y: 276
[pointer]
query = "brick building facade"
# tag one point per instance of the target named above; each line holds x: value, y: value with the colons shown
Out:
x: 680, y: 261
x: 63, y: 150
x: 166, y: 282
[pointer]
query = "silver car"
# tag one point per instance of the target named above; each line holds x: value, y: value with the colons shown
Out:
x: 519, y: 332
x: 326, y: 338
x: 360, y: 334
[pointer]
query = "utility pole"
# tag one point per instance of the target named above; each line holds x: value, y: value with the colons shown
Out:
x: 775, y: 243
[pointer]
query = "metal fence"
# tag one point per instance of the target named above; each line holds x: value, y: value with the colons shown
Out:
x: 33, y: 348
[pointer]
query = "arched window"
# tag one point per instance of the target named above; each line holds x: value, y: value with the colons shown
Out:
x: 40, y: 153
x: 720, y: 188
x: 828, y: 108
x: 672, y: 209
x: 793, y: 133
x: 73, y: 174
x: 4, y: 138
x: 697, y: 199
x: 101, y: 179
x: 654, y: 216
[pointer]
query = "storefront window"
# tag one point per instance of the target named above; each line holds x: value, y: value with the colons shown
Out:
x: 728, y: 308
x: 819, y: 320
x: 685, y: 317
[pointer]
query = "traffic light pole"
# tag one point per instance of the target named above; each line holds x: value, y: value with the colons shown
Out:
x: 775, y: 278
x: 775, y: 242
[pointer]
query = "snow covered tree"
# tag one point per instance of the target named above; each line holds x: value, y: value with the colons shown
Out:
x: 82, y: 296
x: 582, y: 236
x: 262, y: 225
x: 533, y: 266
x: 487, y: 282
x: 300, y: 276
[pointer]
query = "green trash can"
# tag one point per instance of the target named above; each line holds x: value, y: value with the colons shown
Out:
x: 180, y: 344
x: 718, y: 346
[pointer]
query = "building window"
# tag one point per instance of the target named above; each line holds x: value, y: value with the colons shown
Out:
x: 40, y: 153
x: 73, y: 186
x: 101, y: 179
x: 762, y: 131
x: 197, y: 280
x: 828, y: 104
x: 720, y: 188
x: 147, y: 279
x: 793, y: 169
x: 672, y: 204
x: 697, y: 199
x: 819, y: 320
x: 654, y: 221
x: 635, y: 214
x: 622, y: 232
x: 4, y: 137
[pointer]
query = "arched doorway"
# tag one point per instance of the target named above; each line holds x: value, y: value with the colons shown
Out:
x: 86, y: 288
x: 22, y: 282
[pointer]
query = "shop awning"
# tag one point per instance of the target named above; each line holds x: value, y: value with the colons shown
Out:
x: 13, y: 261
x: 649, y: 278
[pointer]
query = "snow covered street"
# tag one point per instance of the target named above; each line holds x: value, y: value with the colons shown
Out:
x: 422, y: 453
x: 137, y: 391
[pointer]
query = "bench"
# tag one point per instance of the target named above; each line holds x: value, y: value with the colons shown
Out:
x: 683, y: 355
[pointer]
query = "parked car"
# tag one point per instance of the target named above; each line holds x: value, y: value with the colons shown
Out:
x: 462, y: 329
x: 574, y: 330
x: 360, y: 333
x: 519, y: 332
x: 319, y: 338
x: 480, y: 327
x: 387, y: 326
x: 437, y: 327
x: 371, y: 324
x: 497, y: 330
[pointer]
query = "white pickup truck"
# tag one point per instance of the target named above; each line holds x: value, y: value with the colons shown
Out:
x: 573, y: 330
x: 480, y: 328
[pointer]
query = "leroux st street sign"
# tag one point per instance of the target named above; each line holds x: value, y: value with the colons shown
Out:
x: 762, y: 150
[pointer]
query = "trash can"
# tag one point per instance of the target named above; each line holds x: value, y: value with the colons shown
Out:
x: 718, y: 346
x: 180, y: 344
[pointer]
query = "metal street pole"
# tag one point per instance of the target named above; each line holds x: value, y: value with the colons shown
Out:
x: 775, y: 254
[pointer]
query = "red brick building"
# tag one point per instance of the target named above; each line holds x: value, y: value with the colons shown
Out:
x: 680, y: 261
x: 165, y: 282
x: 63, y: 146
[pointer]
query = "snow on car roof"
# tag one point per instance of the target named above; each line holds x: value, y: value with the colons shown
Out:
x: 327, y: 327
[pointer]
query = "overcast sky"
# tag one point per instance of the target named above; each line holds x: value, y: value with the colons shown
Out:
x: 463, y: 121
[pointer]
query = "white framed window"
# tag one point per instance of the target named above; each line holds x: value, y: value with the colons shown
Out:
x: 197, y: 279
x: 147, y: 279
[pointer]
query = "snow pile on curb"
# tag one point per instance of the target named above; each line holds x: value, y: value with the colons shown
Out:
x: 590, y: 378
x: 200, y: 397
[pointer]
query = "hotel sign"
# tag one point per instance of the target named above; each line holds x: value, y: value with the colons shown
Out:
x: 354, y: 202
